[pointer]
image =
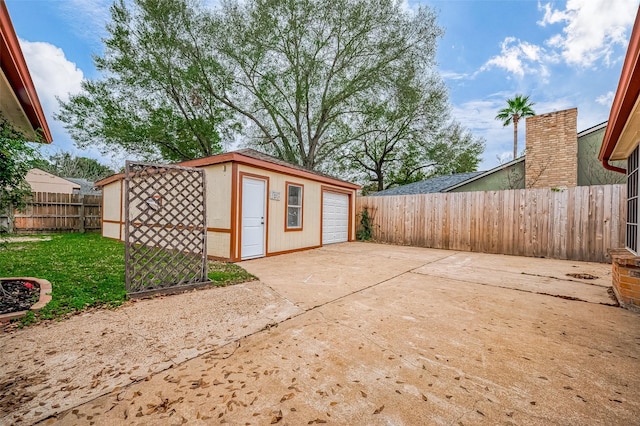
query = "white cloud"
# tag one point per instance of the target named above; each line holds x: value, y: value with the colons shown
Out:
x: 452, y: 75
x: 52, y: 73
x: 54, y: 76
x: 88, y: 18
x: 504, y: 157
x: 479, y: 117
x: 520, y: 57
x: 592, y: 29
x: 605, y: 99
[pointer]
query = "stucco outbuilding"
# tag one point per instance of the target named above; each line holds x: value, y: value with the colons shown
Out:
x: 257, y: 205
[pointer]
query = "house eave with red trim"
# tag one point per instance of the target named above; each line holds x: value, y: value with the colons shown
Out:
x: 623, y: 129
x: 19, y: 101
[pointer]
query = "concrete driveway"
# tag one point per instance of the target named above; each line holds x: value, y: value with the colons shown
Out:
x: 381, y: 334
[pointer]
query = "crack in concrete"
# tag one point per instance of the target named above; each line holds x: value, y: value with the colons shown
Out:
x: 559, y: 296
x: 565, y: 279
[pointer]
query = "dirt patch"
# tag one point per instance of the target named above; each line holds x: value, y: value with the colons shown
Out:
x: 24, y: 239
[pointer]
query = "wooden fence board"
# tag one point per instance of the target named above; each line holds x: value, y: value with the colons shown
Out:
x: 47, y: 211
x: 580, y: 223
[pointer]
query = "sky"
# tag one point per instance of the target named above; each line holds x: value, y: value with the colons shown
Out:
x: 563, y: 54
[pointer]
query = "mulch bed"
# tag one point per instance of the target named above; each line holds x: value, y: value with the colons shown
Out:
x: 18, y: 295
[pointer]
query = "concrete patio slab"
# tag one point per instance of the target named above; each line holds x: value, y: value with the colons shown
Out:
x: 305, y: 279
x: 409, y: 350
x: 520, y: 281
x: 377, y: 337
x: 311, y: 278
x: 48, y: 368
x: 537, y: 267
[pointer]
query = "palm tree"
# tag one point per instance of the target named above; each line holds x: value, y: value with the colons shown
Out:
x: 517, y: 108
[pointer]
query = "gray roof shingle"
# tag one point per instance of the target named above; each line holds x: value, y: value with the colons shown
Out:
x: 435, y: 184
x: 250, y: 152
x: 86, y: 187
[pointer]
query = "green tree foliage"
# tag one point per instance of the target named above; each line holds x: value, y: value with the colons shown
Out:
x: 517, y: 108
x: 300, y: 70
x: 147, y: 101
x: 16, y: 158
x: 311, y: 82
x: 407, y: 136
x: 66, y: 165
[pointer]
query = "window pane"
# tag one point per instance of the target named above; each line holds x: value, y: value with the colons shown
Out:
x: 293, y: 217
x: 295, y: 193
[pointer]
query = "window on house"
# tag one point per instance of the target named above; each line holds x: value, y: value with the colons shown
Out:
x: 294, y: 207
x: 632, y: 201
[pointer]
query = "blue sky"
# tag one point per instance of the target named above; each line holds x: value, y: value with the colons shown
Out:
x: 563, y: 54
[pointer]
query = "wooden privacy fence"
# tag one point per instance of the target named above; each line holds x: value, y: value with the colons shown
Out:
x: 48, y: 211
x: 579, y: 223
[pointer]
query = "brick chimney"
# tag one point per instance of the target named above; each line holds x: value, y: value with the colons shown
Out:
x: 552, y: 150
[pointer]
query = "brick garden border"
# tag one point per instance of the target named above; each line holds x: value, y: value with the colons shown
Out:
x: 45, y: 297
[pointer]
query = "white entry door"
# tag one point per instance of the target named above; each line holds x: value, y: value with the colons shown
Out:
x: 335, y: 218
x: 253, y: 217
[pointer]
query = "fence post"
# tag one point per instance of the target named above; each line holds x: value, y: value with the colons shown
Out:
x: 10, y: 218
x: 81, y: 214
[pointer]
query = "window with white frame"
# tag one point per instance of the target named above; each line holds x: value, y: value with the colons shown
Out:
x: 632, y: 201
x: 294, y: 207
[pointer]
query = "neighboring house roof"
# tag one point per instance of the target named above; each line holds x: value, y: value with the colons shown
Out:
x: 18, y: 98
x: 592, y: 129
x: 624, y: 119
x: 86, y: 187
x: 435, y: 184
x: 484, y: 174
x: 252, y: 157
x: 450, y: 182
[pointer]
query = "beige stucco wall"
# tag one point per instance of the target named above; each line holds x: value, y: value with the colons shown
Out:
x: 279, y: 240
x: 219, y: 190
x: 218, y: 244
x: 218, y: 198
x: 218, y: 186
x: 112, y: 209
x: 41, y: 181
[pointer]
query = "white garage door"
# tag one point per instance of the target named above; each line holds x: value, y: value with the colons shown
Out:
x: 335, y: 218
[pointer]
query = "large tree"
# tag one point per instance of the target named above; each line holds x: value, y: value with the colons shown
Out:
x: 304, y: 80
x: 517, y: 108
x: 65, y: 164
x: 297, y: 70
x: 147, y: 101
x: 406, y: 136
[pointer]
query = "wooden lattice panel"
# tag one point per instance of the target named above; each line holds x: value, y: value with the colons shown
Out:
x: 165, y: 227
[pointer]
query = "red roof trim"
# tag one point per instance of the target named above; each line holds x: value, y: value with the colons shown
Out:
x: 15, y: 68
x: 625, y: 98
x: 250, y: 161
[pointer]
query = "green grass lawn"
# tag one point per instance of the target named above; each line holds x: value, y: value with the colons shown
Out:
x: 85, y: 270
